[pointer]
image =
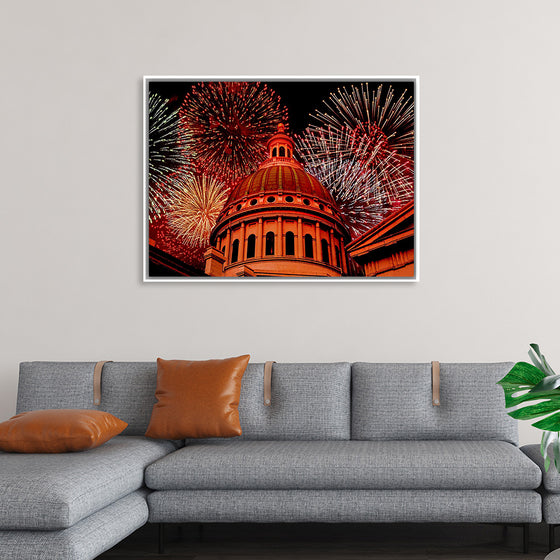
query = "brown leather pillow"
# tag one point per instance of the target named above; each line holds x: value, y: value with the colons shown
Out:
x: 58, y: 431
x: 197, y: 399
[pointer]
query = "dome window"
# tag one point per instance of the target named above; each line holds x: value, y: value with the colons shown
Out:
x: 321, y: 207
x: 239, y: 206
x: 269, y: 247
x: 306, y: 201
x: 337, y: 254
x: 253, y: 202
x: 289, y: 199
x: 308, y: 246
x: 251, y: 243
x: 270, y: 199
x: 282, y: 151
x: 235, y: 251
x: 290, y: 245
x: 274, y: 152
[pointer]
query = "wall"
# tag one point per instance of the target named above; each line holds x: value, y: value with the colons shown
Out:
x: 71, y: 205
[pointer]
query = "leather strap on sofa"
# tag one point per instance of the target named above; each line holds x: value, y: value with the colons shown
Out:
x: 435, y: 384
x: 268, y: 383
x: 97, y: 371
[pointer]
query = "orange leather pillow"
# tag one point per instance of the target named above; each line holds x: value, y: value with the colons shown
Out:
x: 197, y: 399
x: 58, y: 431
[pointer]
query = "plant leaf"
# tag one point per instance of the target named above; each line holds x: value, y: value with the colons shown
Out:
x: 522, y: 374
x: 536, y: 410
x: 545, y: 442
x: 534, y: 358
x: 540, y: 362
x: 547, y: 384
x: 551, y: 423
x: 556, y: 451
x: 512, y: 400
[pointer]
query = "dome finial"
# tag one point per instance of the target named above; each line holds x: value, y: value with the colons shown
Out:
x: 280, y: 144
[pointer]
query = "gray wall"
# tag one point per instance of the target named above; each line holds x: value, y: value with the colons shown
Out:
x: 71, y: 205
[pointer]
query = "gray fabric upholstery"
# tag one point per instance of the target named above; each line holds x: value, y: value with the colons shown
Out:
x: 551, y: 508
x: 550, y: 478
x: 85, y: 540
x: 128, y: 391
x: 267, y: 465
x: 309, y: 402
x: 54, y: 491
x: 44, y: 385
x: 335, y: 506
x: 394, y: 401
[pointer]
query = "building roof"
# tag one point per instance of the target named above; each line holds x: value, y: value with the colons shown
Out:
x: 395, y: 227
x: 280, y: 177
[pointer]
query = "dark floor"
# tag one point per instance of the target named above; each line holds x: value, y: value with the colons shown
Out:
x: 330, y: 542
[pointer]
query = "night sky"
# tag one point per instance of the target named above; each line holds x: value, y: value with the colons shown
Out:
x: 300, y: 97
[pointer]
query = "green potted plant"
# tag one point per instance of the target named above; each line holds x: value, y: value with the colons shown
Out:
x: 526, y: 383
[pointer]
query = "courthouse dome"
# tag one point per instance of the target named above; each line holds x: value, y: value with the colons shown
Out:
x: 280, y: 173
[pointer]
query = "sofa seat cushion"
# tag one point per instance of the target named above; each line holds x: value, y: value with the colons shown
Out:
x: 85, y: 540
x: 290, y: 465
x: 550, y: 478
x: 55, y: 491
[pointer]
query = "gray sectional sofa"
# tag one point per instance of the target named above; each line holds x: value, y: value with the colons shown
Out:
x: 340, y: 442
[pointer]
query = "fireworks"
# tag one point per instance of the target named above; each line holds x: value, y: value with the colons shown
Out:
x: 349, y: 179
x: 194, y: 209
x: 386, y: 119
x: 167, y: 159
x: 362, y: 151
x: 226, y: 126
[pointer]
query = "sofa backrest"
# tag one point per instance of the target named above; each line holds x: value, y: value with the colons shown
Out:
x: 309, y: 401
x: 127, y: 389
x: 394, y: 401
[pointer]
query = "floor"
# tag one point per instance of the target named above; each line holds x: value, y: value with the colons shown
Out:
x: 334, y: 542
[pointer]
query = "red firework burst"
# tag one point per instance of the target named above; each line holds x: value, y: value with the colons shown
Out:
x: 225, y: 126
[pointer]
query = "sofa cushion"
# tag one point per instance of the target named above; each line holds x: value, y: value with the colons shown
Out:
x: 54, y: 491
x: 197, y: 399
x: 45, y: 385
x: 309, y: 402
x: 551, y: 478
x: 85, y: 540
x: 58, y: 430
x: 394, y: 401
x: 230, y: 465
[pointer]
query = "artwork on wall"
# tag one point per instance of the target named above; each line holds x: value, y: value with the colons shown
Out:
x: 280, y: 178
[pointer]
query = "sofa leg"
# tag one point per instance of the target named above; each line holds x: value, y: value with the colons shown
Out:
x: 551, y: 528
x: 161, y: 538
x: 525, y: 538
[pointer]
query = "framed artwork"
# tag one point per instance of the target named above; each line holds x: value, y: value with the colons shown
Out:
x: 280, y: 178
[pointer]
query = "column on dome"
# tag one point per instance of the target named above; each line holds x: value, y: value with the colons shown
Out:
x: 242, y: 243
x: 259, y: 240
x: 299, y: 242
x: 332, y: 257
x: 317, y: 241
x: 227, y: 252
x: 279, y: 239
